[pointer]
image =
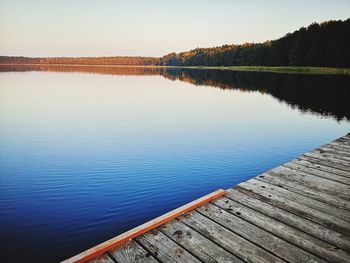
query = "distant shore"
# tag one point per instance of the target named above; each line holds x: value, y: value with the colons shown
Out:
x: 280, y: 69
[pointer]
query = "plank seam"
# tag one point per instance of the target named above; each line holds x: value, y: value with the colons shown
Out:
x: 327, y: 150
x: 334, y: 159
x: 111, y: 256
x: 301, y: 203
x: 320, y: 167
x: 324, y: 257
x: 250, y: 241
x: 292, y: 189
x: 147, y: 250
x: 300, y: 229
x: 208, y: 238
x: 242, y: 190
x: 331, y: 154
x: 316, y: 160
x: 189, y: 251
x: 316, y: 170
x: 317, y: 175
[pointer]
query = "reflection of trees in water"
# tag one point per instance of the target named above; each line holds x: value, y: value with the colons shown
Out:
x: 108, y: 70
x: 327, y: 95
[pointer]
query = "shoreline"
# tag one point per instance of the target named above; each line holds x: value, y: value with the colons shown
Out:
x: 278, y: 69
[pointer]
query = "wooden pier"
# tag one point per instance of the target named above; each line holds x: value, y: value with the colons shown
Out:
x: 297, y: 212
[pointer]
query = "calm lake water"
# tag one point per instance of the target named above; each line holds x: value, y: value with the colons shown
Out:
x: 87, y: 153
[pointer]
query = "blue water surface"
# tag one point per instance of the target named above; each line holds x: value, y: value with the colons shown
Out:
x: 84, y: 157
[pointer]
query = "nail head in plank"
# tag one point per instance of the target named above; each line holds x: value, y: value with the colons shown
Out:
x: 165, y: 249
x: 200, y: 246
x: 131, y: 252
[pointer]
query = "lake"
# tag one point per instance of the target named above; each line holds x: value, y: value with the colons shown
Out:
x: 87, y: 153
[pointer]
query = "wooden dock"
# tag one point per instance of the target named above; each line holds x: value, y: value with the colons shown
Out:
x: 297, y: 212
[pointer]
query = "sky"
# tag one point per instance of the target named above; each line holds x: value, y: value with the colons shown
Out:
x: 150, y: 27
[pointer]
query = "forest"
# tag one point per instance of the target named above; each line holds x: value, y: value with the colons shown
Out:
x: 319, y: 45
x: 323, y: 45
x: 132, y: 61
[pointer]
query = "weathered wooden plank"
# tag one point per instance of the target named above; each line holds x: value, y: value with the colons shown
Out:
x: 334, y: 150
x: 318, y: 166
x: 165, y: 249
x: 297, y: 187
x: 300, y: 207
x: 328, y: 157
x: 307, y: 226
x: 343, y: 140
x: 302, y: 200
x: 337, y: 147
x: 299, y: 174
x: 200, y: 246
x: 330, y: 154
x: 345, y: 137
x: 255, y: 234
x: 105, y: 258
x: 322, y: 185
x: 232, y: 242
x: 341, y: 145
x: 325, y: 162
x: 296, y: 237
x: 320, y: 173
x: 131, y: 252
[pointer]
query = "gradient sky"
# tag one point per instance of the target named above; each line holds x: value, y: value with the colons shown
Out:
x: 152, y: 27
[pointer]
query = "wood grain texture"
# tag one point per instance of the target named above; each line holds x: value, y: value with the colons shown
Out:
x: 326, y: 162
x: 258, y: 236
x: 333, y: 212
x: 317, y: 165
x: 131, y: 252
x: 203, y: 248
x: 242, y: 248
x: 165, y: 249
x: 298, y: 207
x: 324, y: 152
x: 329, y: 157
x: 340, y: 145
x: 307, y: 189
x: 288, y: 233
x: 335, y: 150
x: 281, y: 215
x: 318, y: 172
x: 105, y: 258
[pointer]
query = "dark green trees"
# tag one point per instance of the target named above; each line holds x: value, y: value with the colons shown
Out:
x: 325, y: 44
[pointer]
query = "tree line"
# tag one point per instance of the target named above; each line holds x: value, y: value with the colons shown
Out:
x: 325, y: 44
x: 134, y: 61
x: 321, y: 45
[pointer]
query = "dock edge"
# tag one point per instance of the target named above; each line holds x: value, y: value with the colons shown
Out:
x: 139, y: 230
